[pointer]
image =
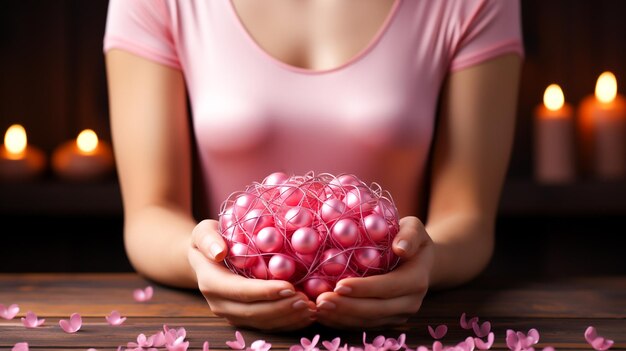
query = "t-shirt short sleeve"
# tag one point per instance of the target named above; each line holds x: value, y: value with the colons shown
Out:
x: 492, y: 28
x: 141, y: 27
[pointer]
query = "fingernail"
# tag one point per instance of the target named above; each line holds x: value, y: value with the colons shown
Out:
x: 343, y: 290
x: 287, y: 293
x: 216, y: 250
x: 326, y: 305
x: 299, y: 304
x: 403, y: 245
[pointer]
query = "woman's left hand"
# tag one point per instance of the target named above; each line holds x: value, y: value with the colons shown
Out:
x: 385, y: 299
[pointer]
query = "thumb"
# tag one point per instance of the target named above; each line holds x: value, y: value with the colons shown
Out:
x: 208, y: 240
x: 409, y: 239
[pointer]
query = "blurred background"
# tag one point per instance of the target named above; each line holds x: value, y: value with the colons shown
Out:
x: 53, y: 83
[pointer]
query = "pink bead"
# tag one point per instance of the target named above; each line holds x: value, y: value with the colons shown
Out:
x: 281, y: 267
x: 291, y: 195
x: 256, y: 219
x: 376, y: 227
x: 269, y: 239
x: 306, y: 259
x: 385, y: 208
x: 244, y: 203
x: 259, y: 269
x: 333, y: 262
x: 359, y: 199
x: 242, y: 256
x: 345, y: 232
x: 298, y: 217
x: 276, y: 178
x: 367, y: 259
x: 235, y: 234
x: 226, y: 218
x: 332, y: 209
x: 305, y: 240
x: 314, y: 287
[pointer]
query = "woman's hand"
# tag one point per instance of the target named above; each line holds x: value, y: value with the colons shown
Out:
x: 384, y: 299
x: 254, y: 303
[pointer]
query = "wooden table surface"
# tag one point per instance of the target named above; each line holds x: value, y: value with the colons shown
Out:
x: 560, y: 309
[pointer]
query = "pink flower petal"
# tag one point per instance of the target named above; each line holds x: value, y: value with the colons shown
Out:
x: 178, y: 345
x: 332, y: 345
x: 480, y: 344
x: 597, y: 342
x: 205, y: 346
x: 422, y: 348
x: 143, y: 295
x: 238, y: 344
x: 260, y: 345
x: 115, y: 318
x: 9, y: 312
x: 437, y: 346
x: 482, y: 330
x: 31, y: 321
x: 20, y: 346
x: 548, y: 348
x: 438, y: 332
x: 465, y: 324
x: 73, y: 325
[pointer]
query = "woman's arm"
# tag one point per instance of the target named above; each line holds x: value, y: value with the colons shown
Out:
x: 471, y: 156
x: 152, y: 149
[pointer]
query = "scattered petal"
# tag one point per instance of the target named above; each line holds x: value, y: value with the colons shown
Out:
x: 438, y: 332
x: 91, y: 349
x: 597, y: 342
x: 482, y: 330
x: 480, y: 344
x: 31, y: 320
x: 115, y: 318
x: 395, y: 344
x: 73, y: 325
x: 548, y: 348
x: 422, y: 348
x: 260, y: 345
x: 238, y: 344
x: 20, y: 346
x: 9, y: 312
x: 332, y: 345
x: 205, y: 346
x: 437, y: 346
x: 178, y: 345
x: 143, y: 295
x: 465, y: 324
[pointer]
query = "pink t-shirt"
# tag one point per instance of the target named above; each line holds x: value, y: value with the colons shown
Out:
x: 373, y: 116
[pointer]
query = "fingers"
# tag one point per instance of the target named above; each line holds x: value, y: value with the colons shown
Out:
x: 280, y: 315
x: 206, y: 237
x: 410, y: 238
x: 338, y: 307
x: 217, y: 281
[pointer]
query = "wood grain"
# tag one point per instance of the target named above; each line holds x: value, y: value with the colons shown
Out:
x: 560, y: 309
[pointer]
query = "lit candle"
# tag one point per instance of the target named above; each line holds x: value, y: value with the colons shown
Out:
x: 18, y: 160
x: 83, y: 159
x: 602, y: 128
x: 554, y: 132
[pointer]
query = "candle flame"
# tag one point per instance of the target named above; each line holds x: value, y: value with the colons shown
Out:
x: 553, y: 97
x: 606, y: 87
x: 15, y: 139
x: 87, y: 141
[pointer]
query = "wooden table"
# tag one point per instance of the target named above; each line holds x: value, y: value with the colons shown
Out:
x: 560, y: 309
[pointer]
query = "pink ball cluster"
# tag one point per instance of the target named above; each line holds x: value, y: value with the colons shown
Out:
x: 311, y: 230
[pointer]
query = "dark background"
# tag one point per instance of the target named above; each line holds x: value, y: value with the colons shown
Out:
x: 52, y: 81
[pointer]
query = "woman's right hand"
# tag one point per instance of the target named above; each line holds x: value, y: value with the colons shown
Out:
x: 253, y: 303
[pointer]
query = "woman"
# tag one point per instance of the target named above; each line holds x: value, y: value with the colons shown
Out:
x: 418, y: 96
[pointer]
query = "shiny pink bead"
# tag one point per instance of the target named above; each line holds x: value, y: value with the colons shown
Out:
x: 385, y: 208
x: 235, y: 234
x: 376, y: 227
x: 314, y: 287
x: 367, y: 258
x: 242, y: 256
x: 281, y: 267
x: 305, y: 240
x: 259, y: 269
x: 291, y: 195
x: 307, y: 259
x: 244, y: 203
x: 333, y: 262
x: 227, y: 218
x: 269, y: 239
x: 276, y: 178
x: 359, y: 199
x: 256, y: 219
x: 298, y: 217
x: 332, y: 209
x: 345, y: 232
